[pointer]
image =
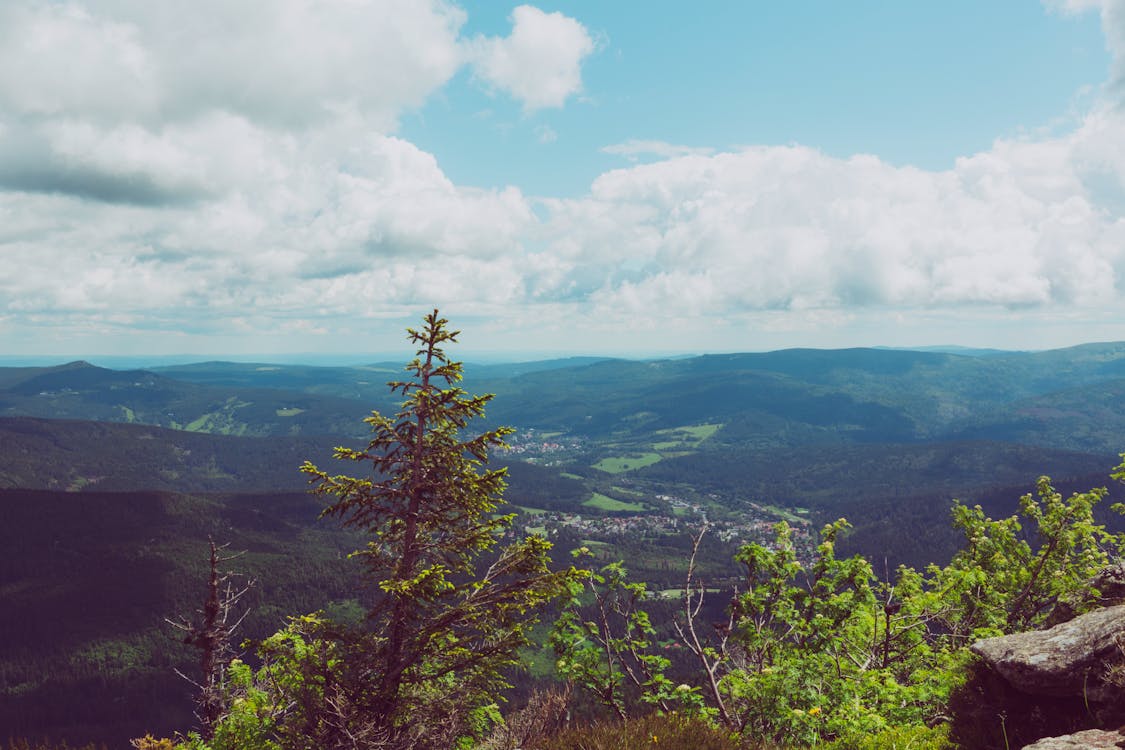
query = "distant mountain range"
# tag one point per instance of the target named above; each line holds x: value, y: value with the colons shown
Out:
x: 1067, y: 399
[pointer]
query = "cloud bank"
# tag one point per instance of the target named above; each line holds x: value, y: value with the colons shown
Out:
x: 233, y: 169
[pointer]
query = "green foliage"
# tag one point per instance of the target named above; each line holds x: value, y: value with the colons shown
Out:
x: 820, y: 650
x: 611, y: 655
x: 1001, y: 582
x: 908, y: 737
x: 423, y: 669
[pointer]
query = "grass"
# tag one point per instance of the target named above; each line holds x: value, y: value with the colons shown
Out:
x: 568, y: 475
x: 530, y: 511
x: 671, y: 594
x: 626, y: 491
x: 680, y: 441
x: 787, y: 515
x: 290, y: 412
x: 603, y: 502
x: 701, y: 432
x: 694, y: 432
x: 198, y: 425
x: 621, y: 464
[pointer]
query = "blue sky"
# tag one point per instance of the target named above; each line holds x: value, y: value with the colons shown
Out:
x: 914, y: 83
x: 278, y: 177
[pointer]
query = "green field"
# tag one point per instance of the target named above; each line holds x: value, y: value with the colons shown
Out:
x: 701, y: 432
x: 603, y: 502
x: 290, y: 412
x: 789, y: 515
x: 621, y: 464
x: 568, y: 475
x: 626, y: 491
x: 695, y: 433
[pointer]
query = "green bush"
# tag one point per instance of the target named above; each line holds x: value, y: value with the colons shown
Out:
x: 897, y: 738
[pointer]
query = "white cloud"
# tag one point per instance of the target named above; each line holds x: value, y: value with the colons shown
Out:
x: 285, y: 62
x: 634, y: 148
x: 1027, y: 223
x: 540, y: 63
x: 235, y: 164
x: 1112, y: 14
x: 188, y: 164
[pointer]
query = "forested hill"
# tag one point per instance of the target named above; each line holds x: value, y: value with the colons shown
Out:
x: 839, y: 395
x: 79, y: 390
x: 73, y: 455
x: 1063, y: 398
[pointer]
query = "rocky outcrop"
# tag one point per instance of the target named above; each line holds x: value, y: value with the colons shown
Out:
x: 1061, y: 683
x: 1090, y: 739
x: 1067, y: 660
x: 1110, y: 583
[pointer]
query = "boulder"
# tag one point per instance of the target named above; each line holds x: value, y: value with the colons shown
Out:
x: 1091, y: 739
x: 1068, y: 659
x: 1110, y: 583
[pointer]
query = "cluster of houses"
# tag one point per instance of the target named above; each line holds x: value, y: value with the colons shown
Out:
x: 686, y: 518
x: 531, y: 444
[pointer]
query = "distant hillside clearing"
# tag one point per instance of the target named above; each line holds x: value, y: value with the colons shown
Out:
x: 603, y: 502
x: 621, y: 464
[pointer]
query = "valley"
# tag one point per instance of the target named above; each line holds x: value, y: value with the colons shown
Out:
x: 113, y: 481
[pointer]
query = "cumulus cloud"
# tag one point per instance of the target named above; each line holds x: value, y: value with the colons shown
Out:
x: 280, y: 242
x: 166, y: 164
x: 155, y: 103
x: 287, y: 63
x: 158, y: 160
x: 1027, y: 223
x: 235, y: 167
x: 539, y: 63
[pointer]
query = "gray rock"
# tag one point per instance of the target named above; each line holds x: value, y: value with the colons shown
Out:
x: 1093, y: 739
x: 1068, y: 659
x: 1110, y: 582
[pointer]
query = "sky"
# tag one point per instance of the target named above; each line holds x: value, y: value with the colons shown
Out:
x: 288, y: 178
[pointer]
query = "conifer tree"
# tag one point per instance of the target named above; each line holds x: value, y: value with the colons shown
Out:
x: 428, y: 510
